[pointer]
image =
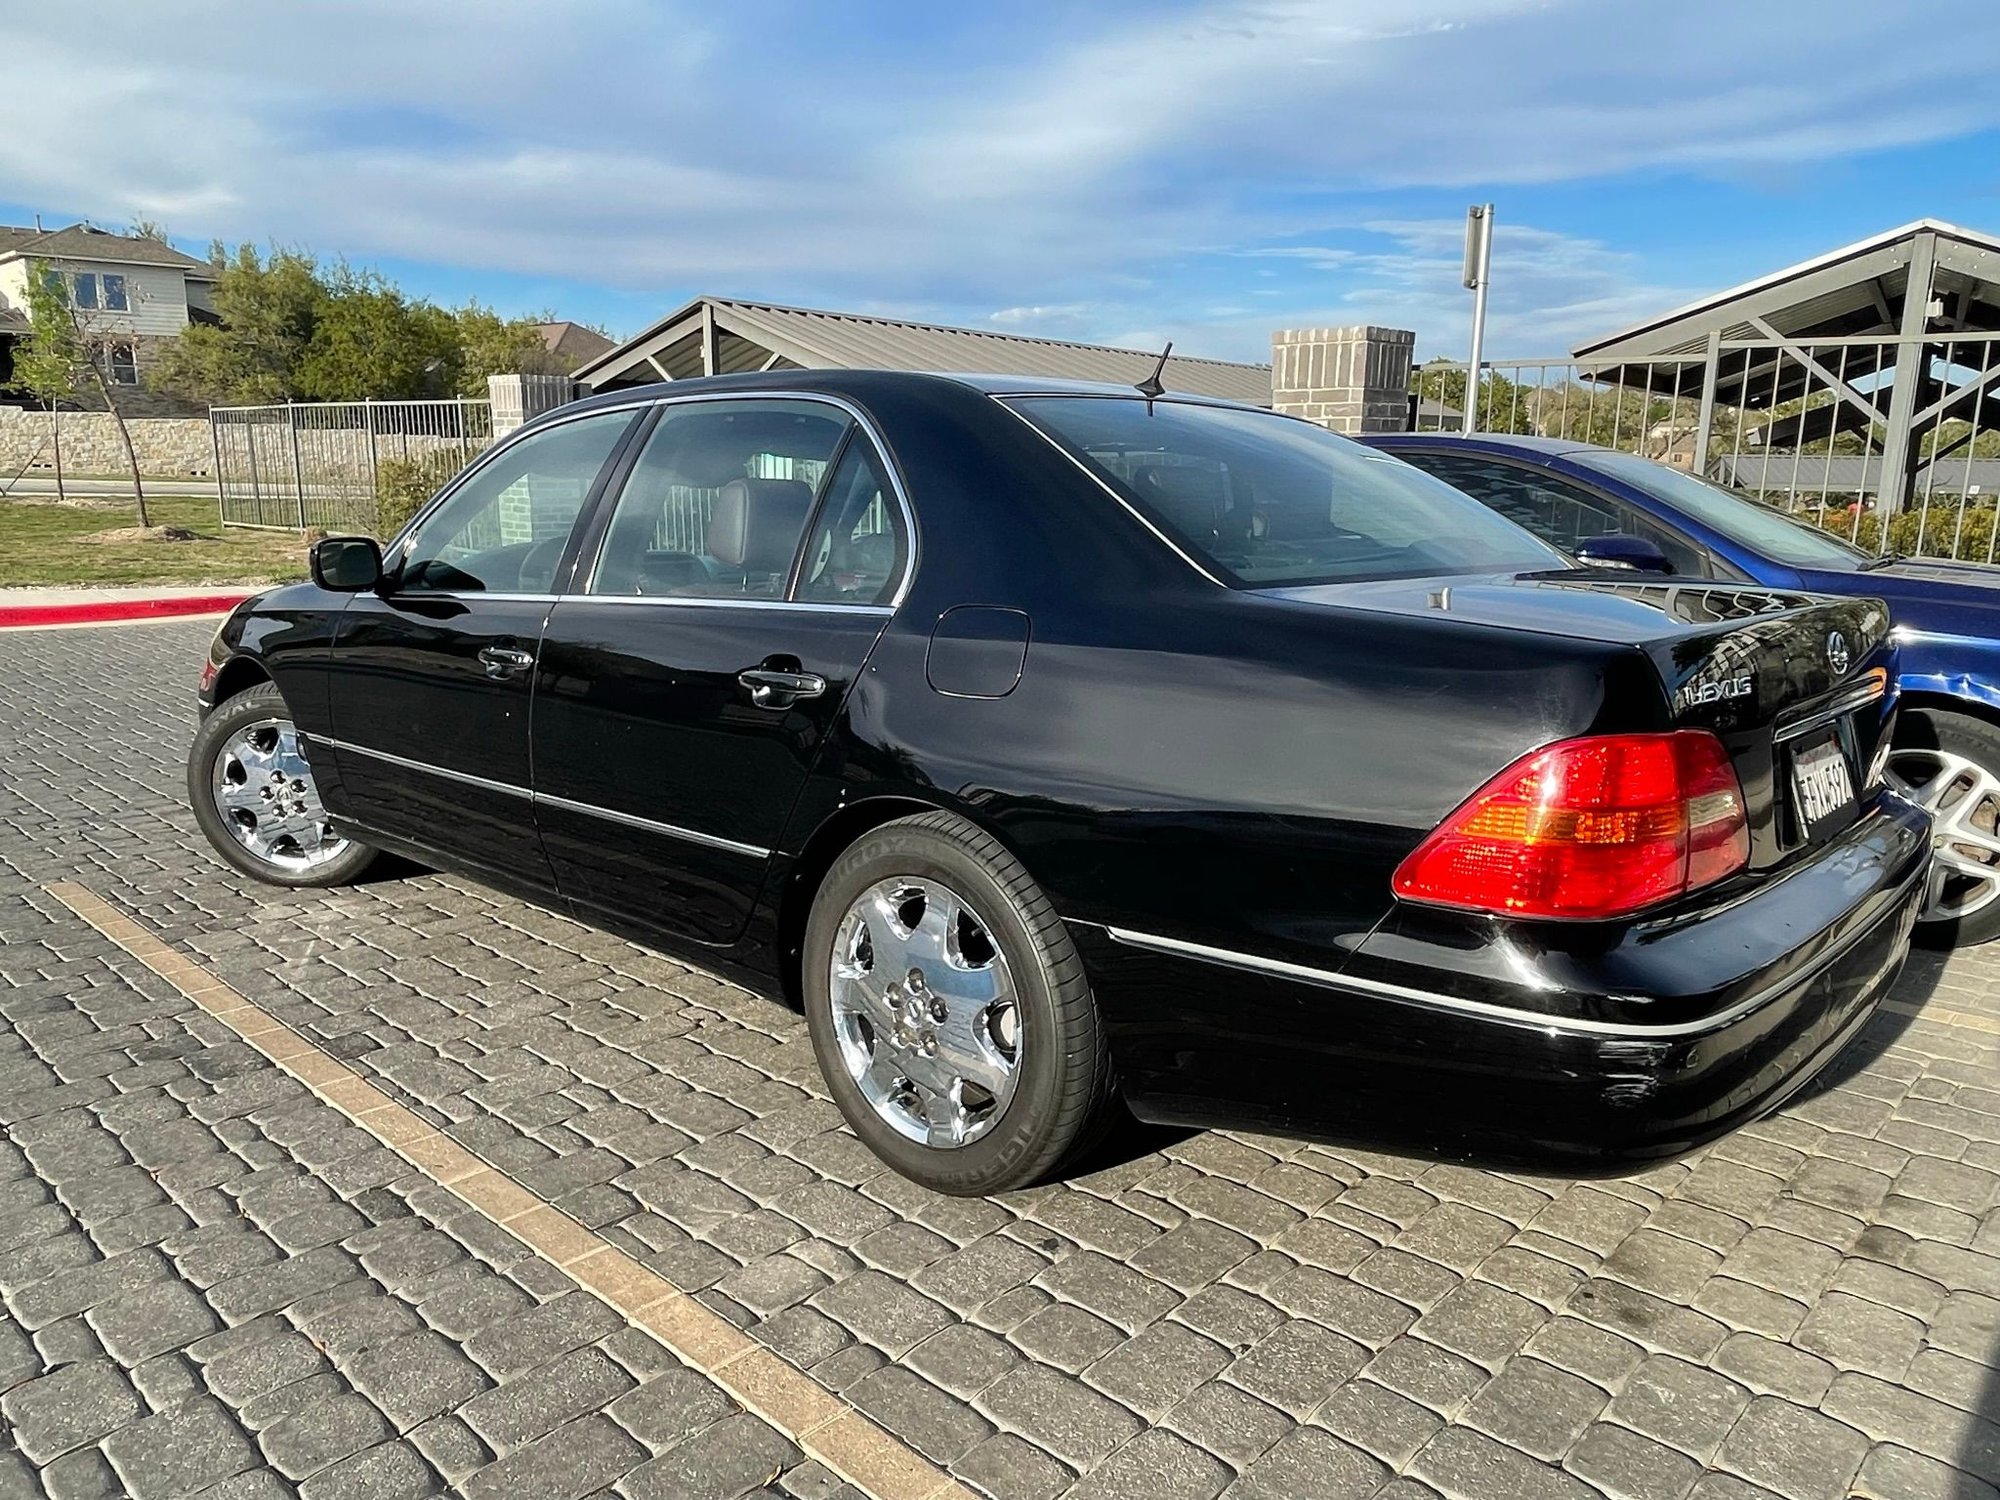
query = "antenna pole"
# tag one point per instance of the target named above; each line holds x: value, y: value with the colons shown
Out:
x: 1478, y: 269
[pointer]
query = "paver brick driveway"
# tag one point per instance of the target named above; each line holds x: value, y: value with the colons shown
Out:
x: 214, y: 1283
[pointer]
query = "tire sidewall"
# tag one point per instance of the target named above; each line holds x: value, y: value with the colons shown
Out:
x: 261, y: 702
x: 1017, y: 1146
x: 1975, y: 740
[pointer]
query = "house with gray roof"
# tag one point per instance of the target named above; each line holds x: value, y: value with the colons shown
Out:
x: 131, y: 293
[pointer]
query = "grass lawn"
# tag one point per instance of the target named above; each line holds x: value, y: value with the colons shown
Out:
x: 50, y: 544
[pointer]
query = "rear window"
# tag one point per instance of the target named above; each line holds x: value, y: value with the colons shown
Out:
x: 1269, y: 501
x: 1748, y: 523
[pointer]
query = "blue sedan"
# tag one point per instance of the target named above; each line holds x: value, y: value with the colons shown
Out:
x: 1618, y: 508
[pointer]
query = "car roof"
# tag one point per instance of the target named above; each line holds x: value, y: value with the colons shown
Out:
x: 1484, y: 442
x: 861, y: 383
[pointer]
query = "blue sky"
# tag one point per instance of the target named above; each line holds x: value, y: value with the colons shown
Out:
x: 1112, y: 171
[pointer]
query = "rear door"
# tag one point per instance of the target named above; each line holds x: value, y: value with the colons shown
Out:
x: 429, y: 678
x: 687, y: 681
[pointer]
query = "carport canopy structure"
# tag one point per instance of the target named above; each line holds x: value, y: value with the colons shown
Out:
x: 1901, y: 331
x: 722, y: 336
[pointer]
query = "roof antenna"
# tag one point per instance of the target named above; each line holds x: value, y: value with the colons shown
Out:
x: 1150, y: 387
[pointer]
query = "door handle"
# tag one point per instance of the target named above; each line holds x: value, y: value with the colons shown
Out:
x: 505, y: 661
x: 771, y: 688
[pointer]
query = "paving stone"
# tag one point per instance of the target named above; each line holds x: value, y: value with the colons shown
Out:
x: 450, y: 1447
x: 1378, y: 1421
x: 935, y: 1424
x: 1792, y: 1451
x: 1625, y: 1466
x: 1536, y: 1408
x: 1059, y: 1414
x: 1153, y: 1371
x: 884, y: 1312
x: 178, y: 1452
x: 1861, y: 1335
x: 1309, y: 1464
x: 137, y: 1324
x: 1160, y: 1465
x: 1464, y: 1465
x: 1067, y: 1337
x: 1892, y: 1473
x: 669, y: 1407
x: 1296, y: 1365
x: 1230, y: 1423
x: 68, y: 1407
x: 320, y: 1433
x: 1482, y: 1322
x: 729, y: 1459
x: 506, y: 1348
x: 574, y: 1460
x: 1774, y: 1369
x: 388, y: 1471
x: 1888, y: 1413
x: 1681, y: 1405
x: 961, y: 1359
x: 543, y: 1398
x: 1010, y: 1468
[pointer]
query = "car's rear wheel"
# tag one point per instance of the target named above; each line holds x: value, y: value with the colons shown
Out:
x: 1949, y: 764
x: 253, y: 794
x: 949, y: 1009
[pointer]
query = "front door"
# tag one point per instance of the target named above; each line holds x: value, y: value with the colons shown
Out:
x: 687, y: 683
x: 430, y: 677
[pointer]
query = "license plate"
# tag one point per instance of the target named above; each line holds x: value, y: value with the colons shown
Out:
x: 1823, y: 783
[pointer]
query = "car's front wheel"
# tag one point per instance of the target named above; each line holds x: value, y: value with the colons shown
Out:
x: 1949, y: 764
x: 253, y: 794
x: 949, y: 1009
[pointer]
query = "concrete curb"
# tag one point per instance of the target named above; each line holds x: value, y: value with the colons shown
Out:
x: 108, y: 611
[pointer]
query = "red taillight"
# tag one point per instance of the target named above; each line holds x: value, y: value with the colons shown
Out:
x: 1589, y: 829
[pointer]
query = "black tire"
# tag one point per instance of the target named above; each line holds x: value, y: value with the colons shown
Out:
x: 263, y: 702
x: 1975, y: 740
x: 1063, y: 1089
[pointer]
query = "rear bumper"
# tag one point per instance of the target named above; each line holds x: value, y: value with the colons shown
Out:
x: 1502, y: 1041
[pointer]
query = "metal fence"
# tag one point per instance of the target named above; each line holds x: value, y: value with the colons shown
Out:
x: 322, y: 464
x: 1807, y: 426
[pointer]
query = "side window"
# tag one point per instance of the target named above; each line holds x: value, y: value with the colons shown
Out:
x: 504, y: 529
x: 861, y: 543
x: 718, y: 501
x: 1561, y: 513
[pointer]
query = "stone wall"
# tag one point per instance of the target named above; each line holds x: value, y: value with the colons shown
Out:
x: 1350, y: 379
x: 167, y: 446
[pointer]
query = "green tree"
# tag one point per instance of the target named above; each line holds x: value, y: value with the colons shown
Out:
x: 270, y: 308
x: 1504, y: 404
x: 370, y: 340
x: 65, y: 354
x: 495, y: 345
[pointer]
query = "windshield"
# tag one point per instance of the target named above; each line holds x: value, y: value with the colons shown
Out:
x: 1266, y: 500
x: 1749, y: 523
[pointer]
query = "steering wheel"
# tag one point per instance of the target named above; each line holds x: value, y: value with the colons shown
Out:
x: 538, y: 565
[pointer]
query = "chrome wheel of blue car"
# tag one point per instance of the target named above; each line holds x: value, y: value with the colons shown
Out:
x: 1962, y: 796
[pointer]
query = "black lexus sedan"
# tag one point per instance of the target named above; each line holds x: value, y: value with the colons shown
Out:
x: 1050, y: 744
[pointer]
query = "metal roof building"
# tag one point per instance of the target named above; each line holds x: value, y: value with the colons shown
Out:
x: 722, y: 336
x: 1886, y: 340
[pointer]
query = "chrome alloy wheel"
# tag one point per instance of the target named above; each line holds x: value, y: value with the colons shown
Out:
x: 1963, y: 799
x: 264, y: 790
x: 925, y: 1012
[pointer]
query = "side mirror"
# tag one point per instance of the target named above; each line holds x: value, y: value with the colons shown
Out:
x: 1624, y: 552
x: 346, y: 564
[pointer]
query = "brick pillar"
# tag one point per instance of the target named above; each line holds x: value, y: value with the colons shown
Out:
x: 516, y: 398
x: 1349, y: 379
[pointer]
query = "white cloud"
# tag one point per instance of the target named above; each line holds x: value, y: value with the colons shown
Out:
x: 1062, y: 175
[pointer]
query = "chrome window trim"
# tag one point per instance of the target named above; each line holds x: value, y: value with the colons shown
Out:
x: 1337, y: 980
x: 861, y: 419
x: 711, y: 601
x: 544, y: 799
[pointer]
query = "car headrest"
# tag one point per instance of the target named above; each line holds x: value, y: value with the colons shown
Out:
x: 1189, y: 495
x: 756, y: 523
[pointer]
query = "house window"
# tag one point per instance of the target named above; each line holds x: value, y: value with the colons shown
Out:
x: 114, y: 293
x: 83, y: 290
x: 121, y: 365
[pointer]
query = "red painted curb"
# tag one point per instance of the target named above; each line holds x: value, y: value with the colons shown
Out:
x: 30, y: 615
